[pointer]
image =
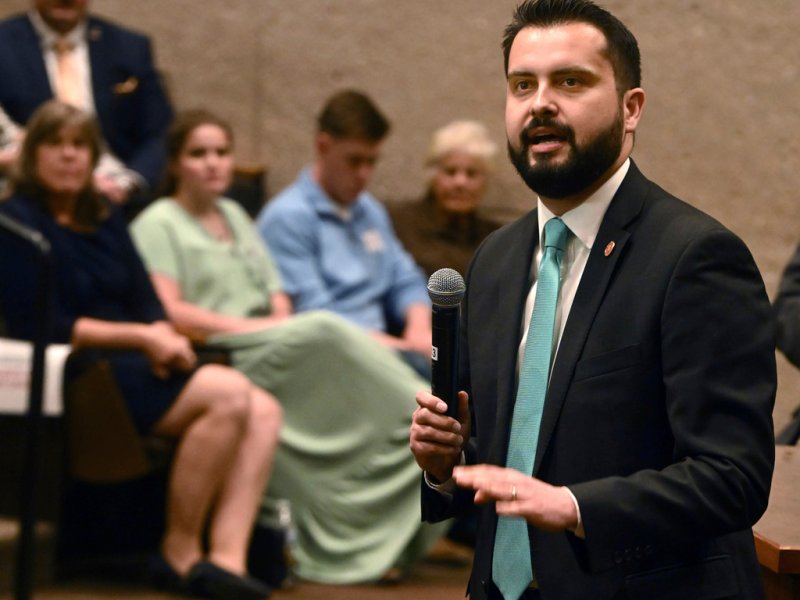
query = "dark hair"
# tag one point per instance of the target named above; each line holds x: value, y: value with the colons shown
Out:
x: 182, y: 127
x: 622, y: 48
x: 43, y: 125
x: 351, y: 114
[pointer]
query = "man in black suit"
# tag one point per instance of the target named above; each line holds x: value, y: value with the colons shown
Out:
x: 787, y: 309
x: 655, y: 445
x: 114, y: 78
x: 787, y: 313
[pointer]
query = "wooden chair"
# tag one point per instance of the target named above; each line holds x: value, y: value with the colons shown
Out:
x: 103, y: 445
x: 105, y: 482
x: 249, y: 187
x: 116, y: 483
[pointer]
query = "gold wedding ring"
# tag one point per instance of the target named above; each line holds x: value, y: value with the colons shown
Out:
x: 513, y: 493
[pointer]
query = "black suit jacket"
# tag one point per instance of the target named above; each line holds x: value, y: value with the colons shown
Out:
x: 131, y: 105
x: 658, y: 413
x: 787, y: 310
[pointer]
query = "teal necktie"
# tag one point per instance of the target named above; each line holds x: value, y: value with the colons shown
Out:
x: 512, y: 571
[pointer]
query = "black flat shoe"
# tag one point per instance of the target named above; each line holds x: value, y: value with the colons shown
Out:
x: 207, y: 580
x: 164, y: 577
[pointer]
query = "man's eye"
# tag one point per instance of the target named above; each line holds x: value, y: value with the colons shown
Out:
x: 571, y: 82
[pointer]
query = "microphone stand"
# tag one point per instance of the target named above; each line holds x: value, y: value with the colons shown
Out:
x: 23, y: 579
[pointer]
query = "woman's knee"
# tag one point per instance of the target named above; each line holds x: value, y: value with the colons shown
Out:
x: 330, y: 328
x: 227, y: 392
x: 265, y: 410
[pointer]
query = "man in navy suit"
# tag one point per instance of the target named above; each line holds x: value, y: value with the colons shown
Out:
x: 116, y: 80
x: 655, y: 448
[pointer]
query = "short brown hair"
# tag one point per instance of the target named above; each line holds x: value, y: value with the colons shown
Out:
x: 351, y: 114
x: 45, y: 123
x: 622, y: 48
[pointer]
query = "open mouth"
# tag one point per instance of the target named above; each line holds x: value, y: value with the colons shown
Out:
x: 545, y: 138
x: 545, y: 142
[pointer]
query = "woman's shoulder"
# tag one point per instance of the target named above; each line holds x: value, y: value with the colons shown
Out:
x: 20, y: 208
x: 159, y: 208
x: 411, y: 209
x: 236, y: 215
x: 232, y: 208
x: 158, y: 213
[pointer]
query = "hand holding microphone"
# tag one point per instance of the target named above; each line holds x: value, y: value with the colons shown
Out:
x: 446, y: 290
x: 436, y: 440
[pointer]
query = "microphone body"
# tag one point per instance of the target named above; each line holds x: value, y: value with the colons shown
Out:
x: 444, y: 356
x: 446, y: 289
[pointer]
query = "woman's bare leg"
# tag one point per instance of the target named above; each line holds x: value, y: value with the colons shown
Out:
x: 243, y: 488
x: 209, y: 418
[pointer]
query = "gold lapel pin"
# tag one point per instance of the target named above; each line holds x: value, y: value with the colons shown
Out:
x: 126, y: 87
x: 609, y: 248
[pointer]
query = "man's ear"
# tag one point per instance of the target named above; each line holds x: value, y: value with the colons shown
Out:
x: 322, y: 143
x: 632, y: 106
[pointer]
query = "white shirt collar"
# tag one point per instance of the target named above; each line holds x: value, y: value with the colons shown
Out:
x: 584, y: 220
x: 345, y: 212
x: 48, y: 36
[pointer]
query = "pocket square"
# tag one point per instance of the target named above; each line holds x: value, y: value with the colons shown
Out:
x: 126, y: 87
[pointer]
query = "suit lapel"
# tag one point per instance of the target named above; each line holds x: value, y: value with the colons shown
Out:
x: 100, y: 55
x: 30, y: 54
x: 624, y: 208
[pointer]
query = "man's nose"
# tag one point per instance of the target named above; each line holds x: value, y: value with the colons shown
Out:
x: 542, y: 102
x: 365, y: 172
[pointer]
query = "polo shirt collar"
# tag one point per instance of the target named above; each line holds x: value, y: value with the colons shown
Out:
x: 322, y: 203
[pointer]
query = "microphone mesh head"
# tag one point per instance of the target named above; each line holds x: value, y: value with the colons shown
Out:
x: 446, y: 287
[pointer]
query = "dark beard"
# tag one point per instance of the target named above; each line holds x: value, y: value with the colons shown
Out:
x: 584, y: 165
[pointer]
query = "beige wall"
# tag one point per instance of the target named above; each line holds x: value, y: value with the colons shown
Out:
x: 720, y: 129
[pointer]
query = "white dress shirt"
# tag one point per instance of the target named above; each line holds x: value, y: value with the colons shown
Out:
x: 80, y: 50
x: 583, y: 222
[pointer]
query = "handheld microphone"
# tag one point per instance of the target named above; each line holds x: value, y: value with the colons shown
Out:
x: 446, y: 289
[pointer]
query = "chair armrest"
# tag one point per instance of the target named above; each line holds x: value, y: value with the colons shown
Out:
x: 214, y: 356
x: 206, y: 354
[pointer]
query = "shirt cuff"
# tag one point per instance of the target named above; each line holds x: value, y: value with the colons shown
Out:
x: 578, y: 530
x: 446, y: 488
x: 127, y: 179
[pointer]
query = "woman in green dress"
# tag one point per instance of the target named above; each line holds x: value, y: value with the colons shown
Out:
x: 343, y: 459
